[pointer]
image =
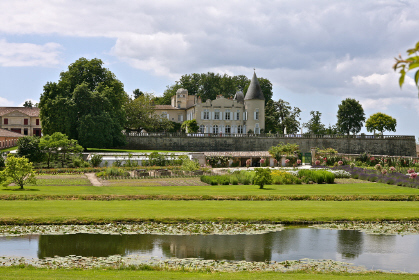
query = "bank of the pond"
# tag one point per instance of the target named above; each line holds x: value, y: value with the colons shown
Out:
x: 86, y: 211
x: 147, y: 272
x: 143, y: 228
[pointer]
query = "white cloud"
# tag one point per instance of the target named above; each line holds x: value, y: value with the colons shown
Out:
x: 4, y: 102
x: 26, y: 54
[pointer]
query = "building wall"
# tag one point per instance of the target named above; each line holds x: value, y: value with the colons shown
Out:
x: 397, y: 146
x: 16, y: 122
x: 7, y: 142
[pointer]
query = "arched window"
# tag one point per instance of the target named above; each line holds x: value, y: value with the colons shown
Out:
x: 240, y: 129
x: 228, y: 129
x: 215, y: 129
x: 202, y: 128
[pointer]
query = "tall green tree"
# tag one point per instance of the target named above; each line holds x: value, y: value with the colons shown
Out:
x: 141, y: 115
x: 280, y: 116
x: 87, y: 96
x: 29, y: 147
x: 350, y: 116
x: 58, y: 146
x: 28, y: 104
x: 19, y: 170
x: 137, y: 93
x: 380, y: 122
x: 262, y: 177
x: 405, y: 65
x: 314, y: 125
x: 209, y: 85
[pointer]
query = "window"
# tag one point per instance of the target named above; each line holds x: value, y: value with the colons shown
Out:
x: 227, y: 115
x: 180, y: 118
x: 206, y: 114
x: 201, y: 128
x: 25, y: 121
x: 245, y: 116
x: 215, y: 129
x: 240, y: 129
x: 228, y: 129
x: 257, y: 114
x: 165, y: 115
x: 37, y: 121
x: 217, y: 114
x: 25, y: 131
x: 178, y: 104
x: 238, y: 115
x: 257, y: 129
x: 6, y: 121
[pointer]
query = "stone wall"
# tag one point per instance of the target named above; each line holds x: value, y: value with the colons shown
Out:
x: 377, y: 145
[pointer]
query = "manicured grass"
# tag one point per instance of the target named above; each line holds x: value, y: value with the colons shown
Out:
x: 78, y: 185
x: 31, y: 273
x: 68, y: 211
x: 8, y: 149
x: 94, y: 150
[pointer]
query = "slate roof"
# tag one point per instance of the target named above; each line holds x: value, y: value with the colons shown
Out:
x: 254, y: 91
x: 31, y: 112
x: 8, y: 133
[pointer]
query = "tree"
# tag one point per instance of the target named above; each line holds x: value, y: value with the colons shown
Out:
x: 19, y: 170
x: 140, y: 115
x: 87, y: 96
x: 314, y: 125
x: 280, y: 116
x: 380, y: 122
x: 408, y: 64
x: 59, y: 146
x: 190, y: 126
x: 29, y: 147
x: 350, y: 116
x: 137, y: 93
x: 28, y: 104
x: 209, y: 85
x: 262, y: 177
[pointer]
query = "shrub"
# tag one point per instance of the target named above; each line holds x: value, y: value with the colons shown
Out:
x: 96, y: 160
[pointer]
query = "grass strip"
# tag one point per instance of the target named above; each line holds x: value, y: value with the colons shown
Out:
x: 88, y: 211
x: 213, y: 197
x: 181, y: 186
x: 146, y: 273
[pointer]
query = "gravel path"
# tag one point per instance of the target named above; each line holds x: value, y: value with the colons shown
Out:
x: 93, y: 179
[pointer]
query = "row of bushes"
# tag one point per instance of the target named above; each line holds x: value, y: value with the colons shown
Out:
x: 279, y: 177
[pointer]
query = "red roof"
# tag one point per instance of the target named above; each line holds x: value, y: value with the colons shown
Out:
x: 31, y: 112
x: 8, y: 133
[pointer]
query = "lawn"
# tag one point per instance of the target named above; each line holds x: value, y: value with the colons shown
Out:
x: 79, y: 185
x: 87, y: 211
x: 28, y: 273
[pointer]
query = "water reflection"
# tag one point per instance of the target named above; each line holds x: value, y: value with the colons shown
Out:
x: 350, y: 243
x: 374, y: 251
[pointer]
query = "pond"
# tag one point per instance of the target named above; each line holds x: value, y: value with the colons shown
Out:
x: 386, y: 252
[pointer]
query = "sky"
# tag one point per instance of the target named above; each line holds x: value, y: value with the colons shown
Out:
x: 315, y: 53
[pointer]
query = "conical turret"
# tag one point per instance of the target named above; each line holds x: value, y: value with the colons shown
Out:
x: 254, y: 91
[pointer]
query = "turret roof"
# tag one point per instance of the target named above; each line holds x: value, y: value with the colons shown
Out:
x: 254, y: 91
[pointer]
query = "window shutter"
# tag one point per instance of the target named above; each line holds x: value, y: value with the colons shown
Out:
x: 213, y: 114
x: 210, y: 129
x: 202, y: 115
x: 254, y: 115
x: 244, y: 129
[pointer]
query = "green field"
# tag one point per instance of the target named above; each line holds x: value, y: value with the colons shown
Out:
x: 86, y: 211
x: 28, y: 273
x: 80, y: 185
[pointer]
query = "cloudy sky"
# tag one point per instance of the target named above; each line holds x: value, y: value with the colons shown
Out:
x: 316, y: 53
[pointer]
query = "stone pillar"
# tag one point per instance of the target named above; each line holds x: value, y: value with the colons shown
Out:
x: 313, y: 155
